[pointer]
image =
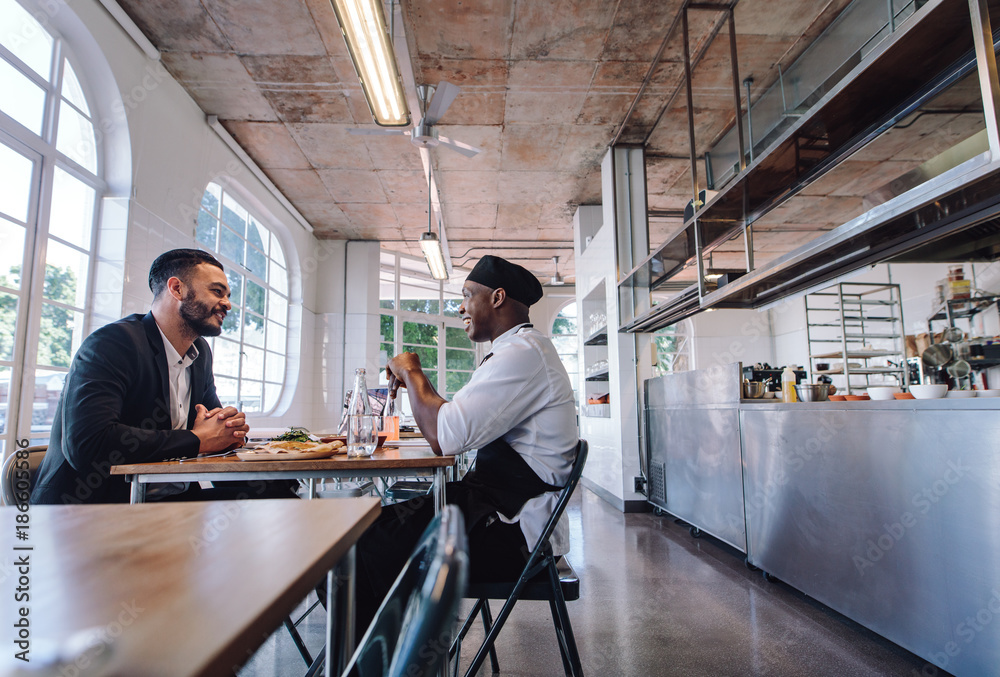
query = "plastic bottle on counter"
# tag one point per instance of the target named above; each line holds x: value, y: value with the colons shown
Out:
x: 788, y: 385
x: 362, y: 436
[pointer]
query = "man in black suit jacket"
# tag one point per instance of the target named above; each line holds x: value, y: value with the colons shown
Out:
x: 124, y: 403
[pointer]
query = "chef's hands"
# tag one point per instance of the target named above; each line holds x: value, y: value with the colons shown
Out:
x: 399, y: 369
x: 219, y: 429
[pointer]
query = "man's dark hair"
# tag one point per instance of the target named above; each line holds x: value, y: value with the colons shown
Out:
x: 177, y: 263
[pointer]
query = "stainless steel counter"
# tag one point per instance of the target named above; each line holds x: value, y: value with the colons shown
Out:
x: 888, y: 512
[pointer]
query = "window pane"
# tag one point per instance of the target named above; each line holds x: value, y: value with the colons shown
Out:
x: 211, y: 199
x: 428, y: 357
x: 456, y: 337
x: 419, y: 296
x: 253, y: 329
x: 48, y: 388
x: 231, y: 246
x: 231, y: 326
x: 71, y: 89
x: 4, y: 395
x: 420, y: 334
x: 277, y: 337
x: 60, y: 334
x: 26, y: 38
x: 256, y: 299
x: 387, y: 326
x: 564, y: 344
x: 11, y: 253
x: 432, y: 376
x: 235, y: 287
x: 251, y: 396
x: 276, y: 252
x: 387, y: 289
x: 257, y: 262
x: 277, y: 307
x: 72, y: 209
x: 271, y: 394
x: 65, y: 274
x: 257, y: 235
x: 275, y: 368
x: 76, y: 138
x: 226, y: 388
x: 15, y: 182
x: 278, y: 278
x: 451, y: 306
x: 226, y: 357
x: 208, y: 229
x: 456, y: 380
x: 8, y: 321
x: 253, y: 363
x: 24, y: 100
x: 234, y: 215
x: 460, y: 359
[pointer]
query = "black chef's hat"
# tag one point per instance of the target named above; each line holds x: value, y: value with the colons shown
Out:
x: 495, y: 273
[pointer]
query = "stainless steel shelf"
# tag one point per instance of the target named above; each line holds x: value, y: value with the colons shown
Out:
x: 598, y: 338
x: 599, y: 376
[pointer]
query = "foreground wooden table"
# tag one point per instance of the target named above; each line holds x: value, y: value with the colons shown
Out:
x: 408, y: 461
x: 176, y: 588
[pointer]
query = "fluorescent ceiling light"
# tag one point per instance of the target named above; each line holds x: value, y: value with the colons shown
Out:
x: 363, y: 25
x: 431, y: 246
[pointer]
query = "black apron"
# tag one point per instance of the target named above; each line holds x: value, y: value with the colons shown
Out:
x: 501, y: 482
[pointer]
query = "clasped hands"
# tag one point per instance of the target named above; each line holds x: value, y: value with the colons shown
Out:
x: 219, y: 429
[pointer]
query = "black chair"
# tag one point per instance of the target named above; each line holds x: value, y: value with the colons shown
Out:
x: 545, y: 577
x: 415, y: 626
x: 8, y: 477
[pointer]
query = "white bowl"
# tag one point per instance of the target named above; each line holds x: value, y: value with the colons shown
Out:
x: 929, y: 392
x: 882, y: 392
x: 961, y: 394
x: 988, y: 393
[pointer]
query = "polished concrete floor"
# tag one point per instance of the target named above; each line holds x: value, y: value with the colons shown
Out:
x: 656, y: 601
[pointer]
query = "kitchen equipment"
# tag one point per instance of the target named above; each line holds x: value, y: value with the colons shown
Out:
x: 958, y: 369
x: 960, y: 394
x: 754, y: 390
x: 953, y: 335
x: 764, y: 372
x: 937, y: 355
x: 814, y: 392
x: 904, y: 396
x: 988, y: 393
x: 933, y: 391
x: 857, y: 398
x: 882, y: 392
x: 837, y: 398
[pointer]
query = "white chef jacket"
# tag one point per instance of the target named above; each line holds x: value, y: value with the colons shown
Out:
x: 522, y: 394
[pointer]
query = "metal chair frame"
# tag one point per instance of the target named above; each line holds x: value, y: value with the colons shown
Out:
x: 541, y: 579
x: 7, y: 490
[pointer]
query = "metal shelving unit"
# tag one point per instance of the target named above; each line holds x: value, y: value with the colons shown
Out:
x: 865, y: 321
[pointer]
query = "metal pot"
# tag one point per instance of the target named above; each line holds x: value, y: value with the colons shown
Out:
x: 754, y: 390
x: 958, y: 369
x: 814, y: 392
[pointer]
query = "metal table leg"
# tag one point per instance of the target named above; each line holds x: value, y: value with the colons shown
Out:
x: 340, y: 615
x: 138, y: 489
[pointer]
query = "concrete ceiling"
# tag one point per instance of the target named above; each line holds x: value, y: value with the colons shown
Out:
x: 546, y: 86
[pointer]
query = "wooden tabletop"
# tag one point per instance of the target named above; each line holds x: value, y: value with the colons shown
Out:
x: 382, y: 459
x: 180, y: 588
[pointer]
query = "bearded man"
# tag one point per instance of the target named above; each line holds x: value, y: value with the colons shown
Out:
x: 141, y: 389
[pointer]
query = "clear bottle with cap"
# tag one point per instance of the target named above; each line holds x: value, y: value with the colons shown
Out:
x: 788, y: 385
x: 362, y: 433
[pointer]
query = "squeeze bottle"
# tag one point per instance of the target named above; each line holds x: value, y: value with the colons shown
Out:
x: 788, y: 386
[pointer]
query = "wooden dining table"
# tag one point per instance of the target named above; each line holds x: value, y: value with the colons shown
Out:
x: 174, y: 589
x: 411, y: 460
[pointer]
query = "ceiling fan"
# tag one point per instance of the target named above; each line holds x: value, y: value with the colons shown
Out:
x: 434, y: 101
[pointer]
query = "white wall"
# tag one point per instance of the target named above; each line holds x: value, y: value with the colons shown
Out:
x: 156, y: 132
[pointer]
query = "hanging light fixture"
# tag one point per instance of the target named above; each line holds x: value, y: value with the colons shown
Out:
x: 430, y: 245
x: 364, y: 27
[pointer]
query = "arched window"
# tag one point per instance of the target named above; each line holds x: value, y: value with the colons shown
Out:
x: 50, y: 189
x: 565, y: 340
x: 250, y: 353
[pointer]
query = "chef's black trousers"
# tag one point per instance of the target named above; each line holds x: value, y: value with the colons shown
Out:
x: 497, y: 552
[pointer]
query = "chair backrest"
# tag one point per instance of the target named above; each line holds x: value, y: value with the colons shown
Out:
x: 567, y: 492
x: 8, y: 473
x: 415, y: 625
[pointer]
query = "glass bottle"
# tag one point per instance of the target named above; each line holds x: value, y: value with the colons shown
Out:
x: 362, y: 436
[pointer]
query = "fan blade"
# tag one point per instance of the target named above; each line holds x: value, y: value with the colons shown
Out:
x: 368, y: 131
x: 444, y: 94
x: 463, y: 148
